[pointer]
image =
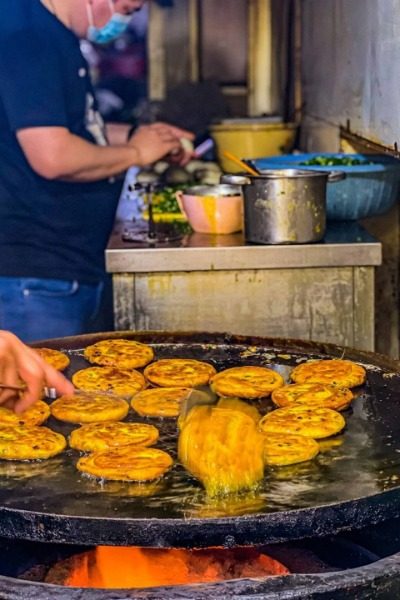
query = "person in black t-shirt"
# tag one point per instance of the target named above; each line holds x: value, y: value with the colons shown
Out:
x: 59, y: 175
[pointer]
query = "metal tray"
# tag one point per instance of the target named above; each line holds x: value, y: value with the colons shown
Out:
x: 350, y: 485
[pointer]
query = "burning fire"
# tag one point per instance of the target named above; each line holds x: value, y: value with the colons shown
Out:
x: 121, y: 567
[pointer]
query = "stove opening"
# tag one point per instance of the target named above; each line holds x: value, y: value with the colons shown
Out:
x: 110, y: 567
x: 82, y: 567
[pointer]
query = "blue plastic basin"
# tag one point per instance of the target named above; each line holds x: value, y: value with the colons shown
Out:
x: 368, y: 190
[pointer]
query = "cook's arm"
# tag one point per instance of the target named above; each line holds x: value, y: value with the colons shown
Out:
x: 56, y: 153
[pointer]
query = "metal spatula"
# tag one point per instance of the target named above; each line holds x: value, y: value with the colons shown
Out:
x: 198, y: 396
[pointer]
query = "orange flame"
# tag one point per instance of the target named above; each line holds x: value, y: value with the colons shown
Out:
x: 121, y: 567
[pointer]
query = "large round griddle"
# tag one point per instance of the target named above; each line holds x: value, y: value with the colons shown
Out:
x: 353, y: 483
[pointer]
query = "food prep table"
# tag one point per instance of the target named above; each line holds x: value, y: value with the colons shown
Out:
x: 322, y: 291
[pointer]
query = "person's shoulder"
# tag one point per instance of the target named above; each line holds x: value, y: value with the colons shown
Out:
x: 22, y: 43
x: 28, y: 29
x: 32, y: 46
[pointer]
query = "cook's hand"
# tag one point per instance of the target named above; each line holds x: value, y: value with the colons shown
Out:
x: 182, y: 155
x: 160, y: 140
x: 20, y: 365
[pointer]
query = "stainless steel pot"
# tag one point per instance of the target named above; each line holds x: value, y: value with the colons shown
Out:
x: 284, y: 206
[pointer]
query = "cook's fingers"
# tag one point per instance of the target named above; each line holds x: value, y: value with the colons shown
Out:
x: 28, y: 366
x: 52, y: 378
x: 9, y: 403
x: 9, y: 376
x: 32, y: 394
x: 176, y: 131
x: 168, y: 136
x: 35, y: 387
x: 56, y: 380
x: 163, y: 131
x: 187, y: 145
x: 8, y: 398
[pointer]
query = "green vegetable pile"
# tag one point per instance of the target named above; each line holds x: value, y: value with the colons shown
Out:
x: 164, y: 201
x: 334, y: 161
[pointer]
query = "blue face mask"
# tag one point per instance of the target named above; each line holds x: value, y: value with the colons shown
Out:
x: 114, y: 28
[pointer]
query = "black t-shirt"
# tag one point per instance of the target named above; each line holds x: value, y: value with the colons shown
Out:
x: 48, y: 228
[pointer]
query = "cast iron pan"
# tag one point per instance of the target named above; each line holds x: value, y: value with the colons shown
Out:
x: 350, y: 485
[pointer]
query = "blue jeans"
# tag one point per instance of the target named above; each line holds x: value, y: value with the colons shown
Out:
x: 37, y: 309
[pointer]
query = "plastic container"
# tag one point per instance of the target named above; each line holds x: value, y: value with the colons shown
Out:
x: 212, y: 209
x: 251, y: 138
x: 367, y: 191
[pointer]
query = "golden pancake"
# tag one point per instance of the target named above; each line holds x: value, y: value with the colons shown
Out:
x: 36, y: 414
x: 109, y: 379
x: 29, y: 443
x: 312, y: 394
x: 128, y: 463
x: 343, y: 373
x: 55, y: 358
x: 302, y: 420
x: 179, y: 372
x: 288, y: 449
x: 101, y: 436
x: 246, y: 382
x: 241, y: 406
x: 89, y: 408
x: 159, y: 402
x: 123, y: 354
